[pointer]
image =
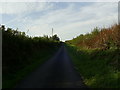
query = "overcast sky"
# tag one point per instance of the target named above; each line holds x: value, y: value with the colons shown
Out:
x: 68, y: 19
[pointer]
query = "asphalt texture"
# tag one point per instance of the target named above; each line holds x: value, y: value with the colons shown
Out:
x: 58, y: 72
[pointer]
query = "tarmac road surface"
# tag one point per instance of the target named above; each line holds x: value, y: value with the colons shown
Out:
x: 58, y: 72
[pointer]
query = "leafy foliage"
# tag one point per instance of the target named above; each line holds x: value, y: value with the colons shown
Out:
x: 104, y: 38
x: 18, y: 49
x: 96, y: 56
x: 55, y: 37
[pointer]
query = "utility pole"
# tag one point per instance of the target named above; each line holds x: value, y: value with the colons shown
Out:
x: 27, y: 31
x: 52, y: 32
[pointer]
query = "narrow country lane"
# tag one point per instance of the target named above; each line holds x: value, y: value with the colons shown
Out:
x: 58, y: 72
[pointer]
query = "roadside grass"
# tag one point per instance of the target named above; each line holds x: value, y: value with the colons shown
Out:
x: 38, y: 58
x: 99, y: 69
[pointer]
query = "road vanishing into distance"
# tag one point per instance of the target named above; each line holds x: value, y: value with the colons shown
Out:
x: 58, y: 72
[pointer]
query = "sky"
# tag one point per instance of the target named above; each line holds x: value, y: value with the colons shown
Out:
x: 68, y: 19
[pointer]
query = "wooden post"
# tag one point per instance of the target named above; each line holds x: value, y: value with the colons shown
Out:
x: 52, y: 32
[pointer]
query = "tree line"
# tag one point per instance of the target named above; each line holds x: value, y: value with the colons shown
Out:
x: 17, y: 48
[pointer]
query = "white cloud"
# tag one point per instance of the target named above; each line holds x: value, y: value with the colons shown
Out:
x: 23, y: 7
x: 67, y: 22
x: 59, y: 1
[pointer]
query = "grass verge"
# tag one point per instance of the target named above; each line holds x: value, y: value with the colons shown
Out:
x: 99, y: 69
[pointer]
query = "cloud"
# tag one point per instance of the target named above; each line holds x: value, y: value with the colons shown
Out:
x: 68, y: 21
x: 23, y: 7
x: 59, y: 0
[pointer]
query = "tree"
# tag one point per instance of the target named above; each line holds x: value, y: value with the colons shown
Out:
x: 2, y: 27
x: 95, y: 31
x: 55, y: 37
